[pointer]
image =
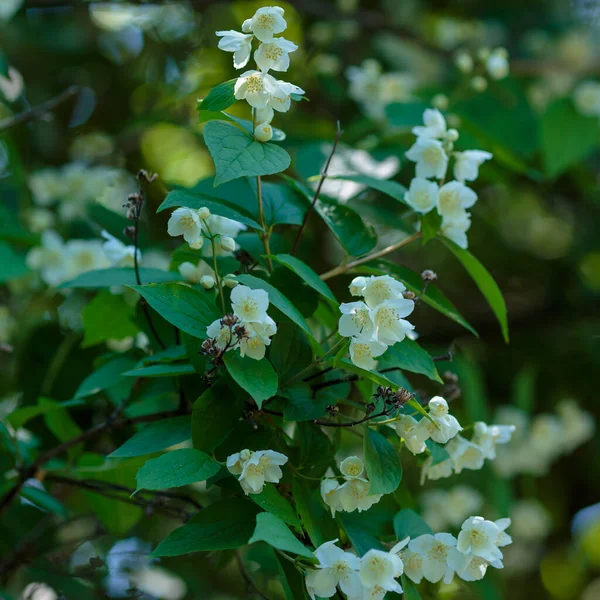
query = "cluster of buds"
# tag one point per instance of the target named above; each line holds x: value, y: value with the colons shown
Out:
x: 485, y: 62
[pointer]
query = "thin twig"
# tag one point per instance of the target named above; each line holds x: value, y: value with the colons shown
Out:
x: 361, y: 261
x: 265, y: 234
x: 338, y: 135
x: 40, y: 111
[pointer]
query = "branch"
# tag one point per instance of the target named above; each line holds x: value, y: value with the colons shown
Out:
x: 39, y: 112
x: 361, y: 261
x: 338, y: 135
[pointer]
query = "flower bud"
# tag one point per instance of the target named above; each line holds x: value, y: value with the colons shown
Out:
x: 263, y: 132
x: 207, y: 282
x: 497, y: 65
x: 440, y: 101
x: 227, y: 243
x: 197, y: 244
x: 264, y: 115
x: 229, y: 280
x: 203, y: 212
x: 479, y: 83
x: 463, y: 61
x: 452, y: 135
x: 453, y: 120
x: 483, y: 54
x: 428, y: 275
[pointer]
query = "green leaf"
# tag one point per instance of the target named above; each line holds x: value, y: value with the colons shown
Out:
x: 524, y: 389
x: 105, y: 278
x: 107, y: 317
x: 19, y: 417
x: 485, y: 282
x: 305, y: 272
x: 220, y: 97
x: 438, y: 453
x: 347, y: 365
x: 407, y: 523
x: 282, y: 204
x: 567, y: 136
x: 4, y: 65
x: 109, y: 375
x: 257, y: 377
x: 225, y: 525
x: 300, y: 405
x: 347, y: 226
x: 172, y: 354
x: 409, y: 356
x: 12, y: 265
x: 208, y: 115
x: 155, y: 436
x: 275, y: 532
x: 59, y: 422
x: 236, y: 154
x: 405, y: 115
x: 176, y: 468
x: 188, y: 309
x: 43, y: 500
x: 316, y: 519
x: 390, y: 188
x: 214, y: 415
x: 277, y: 299
x: 290, y: 351
x: 430, y: 225
x: 359, y: 533
x: 382, y: 463
x: 162, y: 370
x: 409, y: 590
x: 271, y: 501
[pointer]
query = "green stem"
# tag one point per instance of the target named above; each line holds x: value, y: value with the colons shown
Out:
x: 215, y: 267
x: 266, y: 233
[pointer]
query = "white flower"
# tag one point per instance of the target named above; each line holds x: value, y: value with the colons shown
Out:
x: 262, y: 467
x: 274, y: 55
x: 456, y: 230
x: 224, y: 226
x: 390, y: 327
x: 443, y: 508
x: 354, y: 495
x: 357, y: 286
x: 378, y: 568
x: 435, y: 550
x: 266, y: 22
x: 259, y: 337
x: 435, y: 125
x: 467, y: 163
x: 238, y: 43
x: 479, y: 537
x: 430, y: 157
x: 439, y: 471
x: 363, y: 353
x: 422, y: 195
x: 530, y: 520
x: 49, y: 258
x: 220, y: 333
x: 227, y: 243
x: 578, y: 426
x: 335, y: 567
x: 382, y: 288
x: 470, y: 567
x: 84, y: 255
x: 545, y: 436
x: 281, y: 95
x: 407, y: 428
x: 453, y: 198
x: 587, y: 98
x: 487, y: 436
x: 255, y: 87
x: 352, y: 467
x: 263, y: 132
x: 235, y: 462
x: 39, y: 591
x: 250, y: 305
x: 364, y: 81
x: 194, y: 273
x: 356, y: 321
x: 329, y: 493
x: 186, y: 222
x: 118, y: 253
x: 465, y: 454
x: 441, y: 426
x: 497, y: 64
x: 413, y: 564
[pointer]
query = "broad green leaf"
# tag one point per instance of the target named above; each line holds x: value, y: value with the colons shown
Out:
x: 430, y: 225
x: 282, y: 204
x: 485, y: 282
x: 105, y: 278
x: 188, y: 309
x: 19, y: 417
x: 524, y: 389
x: 220, y: 97
x: 107, y: 317
x: 438, y: 453
x: 175, y: 469
x: 407, y: 523
x: 277, y: 299
x: 162, y: 370
x: 409, y: 590
x: 208, y: 115
x: 172, y: 354
x: 257, y: 377
x: 356, y: 527
x: 390, y: 188
x: 382, y: 463
x: 409, y: 356
x: 275, y: 532
x: 109, y: 375
x: 12, y: 264
x: 44, y: 500
x: 236, y: 154
x: 290, y: 351
x: 378, y: 378
x: 316, y: 450
x: 567, y: 136
x: 225, y: 525
x: 405, y: 115
x: 347, y: 226
x: 59, y: 422
x: 271, y: 501
x: 306, y: 273
x: 214, y: 415
x: 155, y: 436
x: 316, y: 519
x: 299, y: 404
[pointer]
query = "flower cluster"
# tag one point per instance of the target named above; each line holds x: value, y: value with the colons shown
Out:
x: 351, y: 495
x: 262, y: 91
x: 538, y: 442
x: 432, y: 557
x: 249, y: 329
x: 196, y: 225
x: 256, y: 468
x: 431, y: 152
x: 492, y: 63
x: 449, y: 508
x: 377, y: 321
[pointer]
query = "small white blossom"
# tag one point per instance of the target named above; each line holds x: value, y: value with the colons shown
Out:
x: 578, y: 426
x: 497, y: 64
x: 354, y: 495
x: 259, y: 337
x: 467, y: 163
x: 587, y: 98
x: 356, y: 321
x: 438, y: 471
x: 430, y: 158
x: 413, y: 564
x: 465, y: 454
x: 119, y: 254
x: 453, y: 199
x: 238, y: 43
x: 329, y: 489
x: 378, y: 568
x: 456, y: 230
x: 235, y: 463
x: 249, y: 305
x: 220, y: 333
x: 407, y: 428
x: 487, y: 436
x: 382, y: 288
x: 387, y: 318
x: 281, y: 95
x: 49, y: 258
x: 203, y: 213
x: 357, y: 286
x: 265, y: 23
x: 435, y: 550
x: 352, y: 467
x: 422, y: 195
x: 362, y: 354
x: 186, y: 222
x: 263, y: 132
x: 435, y: 125
x: 470, y: 567
x: 274, y: 55
x: 441, y: 426
x: 262, y: 467
x: 227, y: 243
x: 194, y: 273
x: 480, y: 538
x: 255, y: 87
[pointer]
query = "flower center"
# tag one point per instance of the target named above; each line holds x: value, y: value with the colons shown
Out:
x: 438, y: 551
x: 361, y: 350
x: 432, y: 155
x: 386, y: 317
x: 450, y: 201
x: 248, y: 308
x: 266, y: 21
x: 272, y: 51
x: 421, y: 199
x: 254, y: 84
x: 187, y: 222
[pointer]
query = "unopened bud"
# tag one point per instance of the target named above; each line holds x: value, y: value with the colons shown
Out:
x: 440, y: 101
x: 369, y: 408
x: 230, y: 281
x: 227, y: 244
x: 464, y: 62
x: 409, y: 295
x: 483, y: 54
x: 452, y: 135
x: 479, y: 83
x: 207, y: 282
x: 203, y: 212
x: 197, y: 244
x: 428, y: 275
x: 263, y: 132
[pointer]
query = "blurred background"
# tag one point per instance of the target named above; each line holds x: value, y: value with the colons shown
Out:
x: 107, y: 88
